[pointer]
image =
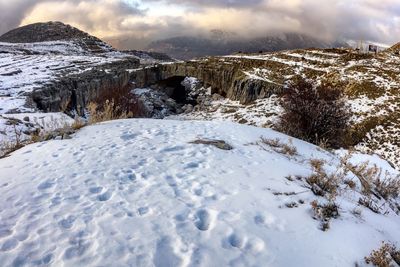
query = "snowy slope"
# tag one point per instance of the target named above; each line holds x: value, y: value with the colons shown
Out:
x: 137, y: 193
x: 25, y: 67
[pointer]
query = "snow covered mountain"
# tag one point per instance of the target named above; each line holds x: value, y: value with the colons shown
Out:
x: 152, y: 193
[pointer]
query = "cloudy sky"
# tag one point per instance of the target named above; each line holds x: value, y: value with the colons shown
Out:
x: 134, y: 23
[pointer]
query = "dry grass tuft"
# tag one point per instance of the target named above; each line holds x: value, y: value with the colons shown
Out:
x: 7, y: 147
x: 374, y: 182
x: 78, y: 124
x: 386, y: 256
x: 109, y: 111
x: 323, y: 184
x: 324, y: 213
x: 280, y: 147
x: 60, y: 130
x: 117, y: 103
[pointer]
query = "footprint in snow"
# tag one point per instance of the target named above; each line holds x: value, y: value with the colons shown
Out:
x: 128, y: 136
x: 10, y: 244
x: 46, y: 185
x: 172, y: 149
x: 67, y: 223
x: 96, y: 189
x: 237, y: 240
x: 192, y: 165
x: 205, y: 219
x: 105, y: 196
x: 144, y: 211
x: 5, y: 232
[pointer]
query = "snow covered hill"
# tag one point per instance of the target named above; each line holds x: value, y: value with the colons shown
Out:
x: 142, y: 193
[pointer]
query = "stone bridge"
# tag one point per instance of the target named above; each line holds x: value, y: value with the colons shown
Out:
x: 225, y: 79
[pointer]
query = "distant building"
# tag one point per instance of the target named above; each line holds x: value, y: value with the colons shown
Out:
x: 373, y: 48
x: 370, y: 48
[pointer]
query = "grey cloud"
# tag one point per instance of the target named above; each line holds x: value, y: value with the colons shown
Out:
x: 13, y: 12
x: 127, y: 24
x: 214, y: 3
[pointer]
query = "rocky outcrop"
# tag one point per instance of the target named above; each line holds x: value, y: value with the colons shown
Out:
x: 45, y: 32
x: 227, y: 80
x: 54, y: 31
x: 73, y: 92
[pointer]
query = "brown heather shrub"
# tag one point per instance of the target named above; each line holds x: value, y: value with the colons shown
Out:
x: 368, y: 88
x: 356, y: 56
x: 315, y: 113
x: 388, y: 187
x: 116, y: 103
x: 386, y: 256
x: 324, y: 213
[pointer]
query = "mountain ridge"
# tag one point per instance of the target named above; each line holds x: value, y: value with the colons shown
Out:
x: 221, y: 43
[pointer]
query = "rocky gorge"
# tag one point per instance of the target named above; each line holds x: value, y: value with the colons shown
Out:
x: 63, y: 76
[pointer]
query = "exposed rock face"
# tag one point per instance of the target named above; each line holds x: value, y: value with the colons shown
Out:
x: 73, y: 92
x: 225, y: 79
x: 154, y: 104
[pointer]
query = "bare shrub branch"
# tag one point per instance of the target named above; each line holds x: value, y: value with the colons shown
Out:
x: 315, y: 113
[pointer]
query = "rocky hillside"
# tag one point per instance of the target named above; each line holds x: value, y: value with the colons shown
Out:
x: 255, y: 80
x: 188, y: 47
x: 54, y: 31
x: 396, y: 48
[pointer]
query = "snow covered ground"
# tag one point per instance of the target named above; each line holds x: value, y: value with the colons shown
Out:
x: 262, y: 113
x: 138, y: 193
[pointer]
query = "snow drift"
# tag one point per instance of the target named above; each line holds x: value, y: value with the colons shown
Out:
x: 138, y: 193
